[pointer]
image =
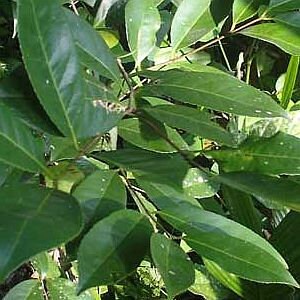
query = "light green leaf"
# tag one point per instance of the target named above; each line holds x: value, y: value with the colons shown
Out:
x: 26, y: 290
x: 192, y: 121
x: 234, y: 247
x: 106, y: 253
x: 42, y: 216
x: 244, y: 9
x: 187, y: 27
x: 18, y: 146
x: 204, y: 89
x: 142, y: 135
x: 172, y: 264
x: 142, y: 22
x: 283, y: 36
x: 276, y: 191
x: 100, y: 194
x: 276, y: 155
x: 45, y: 266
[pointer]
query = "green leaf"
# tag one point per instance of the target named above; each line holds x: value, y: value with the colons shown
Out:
x: 283, y: 5
x: 172, y: 264
x: 144, y: 136
x: 264, y: 188
x: 283, y: 36
x: 187, y: 27
x: 45, y: 266
x: 18, y: 146
x: 142, y: 22
x: 234, y: 247
x: 26, y: 290
x: 192, y: 121
x: 290, y: 18
x: 204, y: 89
x: 276, y: 155
x: 283, y: 238
x: 100, y: 194
x: 42, y: 216
x: 106, y: 253
x: 244, y: 9
x: 51, y: 52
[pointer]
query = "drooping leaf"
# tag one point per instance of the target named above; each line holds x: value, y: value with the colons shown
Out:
x: 187, y: 27
x: 283, y: 5
x: 33, y: 220
x: 244, y: 9
x: 144, y: 136
x: 191, y: 120
x: 100, y: 194
x: 283, y: 36
x: 142, y: 22
x: 110, y: 251
x: 172, y: 263
x: 234, y: 247
x: 276, y: 191
x: 276, y: 155
x: 52, y: 56
x: 18, y: 147
x: 204, y: 89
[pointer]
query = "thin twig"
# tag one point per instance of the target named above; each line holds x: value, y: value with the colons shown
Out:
x: 74, y: 7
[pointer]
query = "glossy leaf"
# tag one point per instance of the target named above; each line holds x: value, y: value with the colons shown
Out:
x: 276, y: 155
x: 52, y: 59
x: 204, y: 89
x: 283, y: 36
x: 231, y: 245
x: 186, y: 26
x: 27, y: 213
x: 142, y: 22
x: 283, y: 5
x: 192, y: 121
x: 100, y: 194
x: 277, y: 191
x: 144, y: 136
x: 172, y: 263
x: 17, y: 139
x: 106, y: 253
x: 244, y: 9
x: 26, y: 290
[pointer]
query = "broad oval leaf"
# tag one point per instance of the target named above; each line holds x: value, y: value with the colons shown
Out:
x: 173, y: 264
x: 144, y: 136
x: 52, y: 56
x: 18, y: 146
x: 276, y: 191
x: 142, y: 22
x: 100, y: 194
x: 45, y: 217
x: 187, y: 27
x: 106, y: 252
x: 231, y: 245
x: 283, y: 36
x: 204, y: 89
x: 192, y: 121
x: 276, y: 155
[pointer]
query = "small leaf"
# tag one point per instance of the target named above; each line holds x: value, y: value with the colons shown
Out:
x: 192, y: 121
x: 26, y: 290
x: 244, y: 9
x: 42, y: 216
x: 172, y: 263
x: 283, y: 36
x: 264, y: 188
x: 276, y: 155
x: 204, y: 89
x: 234, y: 247
x: 142, y: 22
x: 106, y: 252
x: 187, y: 27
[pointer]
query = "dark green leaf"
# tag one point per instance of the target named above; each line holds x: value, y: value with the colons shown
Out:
x: 173, y: 264
x: 278, y: 154
x: 42, y: 216
x: 110, y: 251
x: 204, y: 88
x: 276, y: 191
x: 234, y: 247
x: 192, y: 121
x: 283, y: 5
x: 244, y: 9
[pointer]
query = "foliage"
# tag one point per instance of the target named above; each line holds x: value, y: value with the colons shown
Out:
x: 149, y: 149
